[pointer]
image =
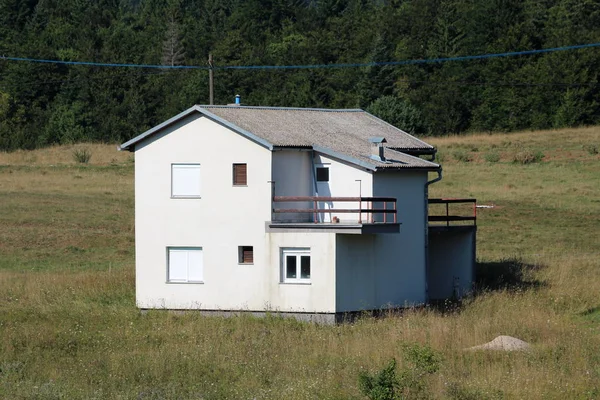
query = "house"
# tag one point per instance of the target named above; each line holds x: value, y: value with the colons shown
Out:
x: 312, y: 212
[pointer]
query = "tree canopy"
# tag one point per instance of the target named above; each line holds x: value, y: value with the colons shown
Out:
x: 42, y: 104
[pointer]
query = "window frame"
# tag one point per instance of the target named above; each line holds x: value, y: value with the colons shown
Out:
x: 241, y: 255
x: 187, y: 280
x: 186, y: 196
x: 298, y: 252
x: 233, y: 170
x: 317, y: 168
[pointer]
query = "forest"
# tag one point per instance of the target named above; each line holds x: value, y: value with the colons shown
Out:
x: 47, y: 103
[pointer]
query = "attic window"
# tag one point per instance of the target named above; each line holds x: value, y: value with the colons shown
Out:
x: 322, y: 174
x: 246, y: 255
x: 240, y: 172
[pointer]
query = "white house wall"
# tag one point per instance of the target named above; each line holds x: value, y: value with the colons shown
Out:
x: 224, y: 218
x: 293, y: 176
x: 343, y: 182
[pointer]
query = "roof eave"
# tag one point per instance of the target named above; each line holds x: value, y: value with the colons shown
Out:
x: 130, y: 145
x: 344, y: 157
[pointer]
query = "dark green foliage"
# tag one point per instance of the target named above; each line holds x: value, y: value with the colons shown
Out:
x: 408, y: 383
x: 399, y: 113
x: 42, y: 104
x: 381, y: 385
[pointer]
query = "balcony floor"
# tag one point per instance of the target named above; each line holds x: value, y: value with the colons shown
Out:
x: 326, y: 227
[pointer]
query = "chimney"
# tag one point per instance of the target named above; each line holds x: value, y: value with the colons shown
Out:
x: 377, y: 148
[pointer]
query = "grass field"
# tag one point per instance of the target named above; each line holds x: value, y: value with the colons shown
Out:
x: 69, y: 328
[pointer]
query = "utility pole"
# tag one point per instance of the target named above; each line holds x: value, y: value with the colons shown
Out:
x: 211, y: 89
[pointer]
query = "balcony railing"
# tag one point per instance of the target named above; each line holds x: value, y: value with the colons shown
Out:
x: 366, y: 205
x: 469, y: 206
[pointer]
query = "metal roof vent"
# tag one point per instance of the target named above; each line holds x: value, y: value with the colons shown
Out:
x: 377, y: 148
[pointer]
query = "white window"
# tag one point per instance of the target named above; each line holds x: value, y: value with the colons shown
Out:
x: 185, y: 180
x: 185, y: 264
x: 295, y: 265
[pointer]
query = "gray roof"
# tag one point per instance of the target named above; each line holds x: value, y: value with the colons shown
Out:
x: 342, y: 134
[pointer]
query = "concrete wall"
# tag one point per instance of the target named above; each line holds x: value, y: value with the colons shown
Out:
x: 343, y: 183
x: 224, y: 218
x: 376, y: 271
x: 451, y: 262
x: 293, y: 176
x: 319, y: 295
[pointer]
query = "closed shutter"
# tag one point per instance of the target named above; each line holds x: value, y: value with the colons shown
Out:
x: 246, y: 255
x: 240, y: 174
x: 185, y: 180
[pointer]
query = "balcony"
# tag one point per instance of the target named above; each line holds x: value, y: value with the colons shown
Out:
x: 320, y: 214
x: 455, y: 214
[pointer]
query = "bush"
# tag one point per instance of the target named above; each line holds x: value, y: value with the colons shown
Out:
x: 82, y: 156
x: 409, y: 382
x: 381, y: 385
x: 462, y: 156
x: 492, y: 157
x: 592, y: 149
x: 527, y: 156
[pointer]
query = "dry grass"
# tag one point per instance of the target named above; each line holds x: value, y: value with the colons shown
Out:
x: 63, y: 155
x: 69, y: 327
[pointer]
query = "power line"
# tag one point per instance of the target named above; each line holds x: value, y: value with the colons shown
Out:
x: 310, y: 66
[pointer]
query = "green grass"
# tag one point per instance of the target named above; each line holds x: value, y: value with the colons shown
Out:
x: 69, y: 327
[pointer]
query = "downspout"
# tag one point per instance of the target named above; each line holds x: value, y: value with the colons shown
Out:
x: 439, y: 178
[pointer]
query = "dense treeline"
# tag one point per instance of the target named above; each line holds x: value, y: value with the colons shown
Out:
x: 42, y: 104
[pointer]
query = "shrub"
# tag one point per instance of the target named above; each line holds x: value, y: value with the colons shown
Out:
x: 462, y: 156
x: 492, y: 157
x: 381, y: 385
x: 592, y: 149
x: 389, y: 385
x: 527, y: 156
x: 82, y: 155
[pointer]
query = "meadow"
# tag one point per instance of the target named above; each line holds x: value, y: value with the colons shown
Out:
x: 69, y: 328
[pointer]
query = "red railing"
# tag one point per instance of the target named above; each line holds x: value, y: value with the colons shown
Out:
x: 454, y: 218
x: 367, y: 202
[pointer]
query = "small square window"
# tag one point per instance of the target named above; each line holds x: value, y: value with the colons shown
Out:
x: 295, y: 266
x: 245, y: 255
x: 240, y: 174
x: 322, y: 174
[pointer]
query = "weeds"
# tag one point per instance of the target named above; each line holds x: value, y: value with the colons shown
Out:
x: 82, y: 155
x: 592, y: 149
x: 527, y: 156
x: 492, y: 157
x: 462, y: 156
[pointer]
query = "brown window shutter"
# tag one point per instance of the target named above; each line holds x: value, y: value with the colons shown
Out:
x: 248, y: 255
x: 240, y: 174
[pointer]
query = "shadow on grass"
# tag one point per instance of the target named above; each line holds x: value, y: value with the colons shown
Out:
x: 510, y: 274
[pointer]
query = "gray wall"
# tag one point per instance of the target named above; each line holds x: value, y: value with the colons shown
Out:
x: 376, y: 271
x: 451, y: 263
